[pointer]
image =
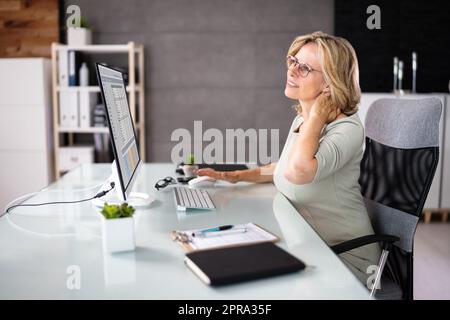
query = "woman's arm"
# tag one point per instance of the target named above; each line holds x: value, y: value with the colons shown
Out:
x: 302, y: 164
x: 257, y: 175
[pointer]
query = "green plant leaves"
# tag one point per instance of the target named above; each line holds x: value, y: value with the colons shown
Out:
x: 114, y: 211
x: 190, y: 159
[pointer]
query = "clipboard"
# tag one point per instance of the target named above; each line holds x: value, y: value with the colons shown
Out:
x: 254, y: 234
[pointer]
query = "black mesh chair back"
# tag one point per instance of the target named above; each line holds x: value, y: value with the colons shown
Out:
x: 400, y: 159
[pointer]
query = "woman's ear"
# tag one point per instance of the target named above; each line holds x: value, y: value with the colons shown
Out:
x: 326, y: 89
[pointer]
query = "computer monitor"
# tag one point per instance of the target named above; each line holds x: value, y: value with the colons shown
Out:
x: 127, y: 161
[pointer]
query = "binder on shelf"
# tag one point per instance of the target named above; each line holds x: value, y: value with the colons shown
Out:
x: 72, y: 74
x: 101, y: 141
x: 63, y: 68
x: 64, y: 105
x: 100, y: 116
x: 74, y: 63
x: 72, y: 109
x: 88, y: 100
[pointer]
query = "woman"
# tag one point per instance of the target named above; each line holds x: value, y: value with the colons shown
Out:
x: 319, y: 167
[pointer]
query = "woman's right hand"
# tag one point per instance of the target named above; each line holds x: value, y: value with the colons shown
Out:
x: 230, y: 176
x: 323, y: 110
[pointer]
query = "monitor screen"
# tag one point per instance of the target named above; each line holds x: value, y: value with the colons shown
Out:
x: 120, y: 123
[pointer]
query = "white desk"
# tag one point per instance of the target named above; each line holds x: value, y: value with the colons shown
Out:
x: 33, y: 265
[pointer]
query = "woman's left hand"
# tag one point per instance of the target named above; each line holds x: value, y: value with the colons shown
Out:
x: 230, y: 176
x: 323, y: 110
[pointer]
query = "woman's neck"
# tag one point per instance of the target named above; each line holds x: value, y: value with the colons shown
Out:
x: 306, y: 108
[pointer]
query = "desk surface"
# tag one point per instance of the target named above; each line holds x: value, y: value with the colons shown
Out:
x: 36, y: 265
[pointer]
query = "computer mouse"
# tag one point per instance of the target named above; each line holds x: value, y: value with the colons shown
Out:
x: 202, y: 182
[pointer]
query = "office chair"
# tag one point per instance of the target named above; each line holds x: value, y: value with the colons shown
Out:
x: 397, y: 169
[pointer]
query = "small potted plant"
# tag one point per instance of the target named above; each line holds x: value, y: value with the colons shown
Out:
x: 190, y: 166
x: 118, y: 228
x: 79, y: 36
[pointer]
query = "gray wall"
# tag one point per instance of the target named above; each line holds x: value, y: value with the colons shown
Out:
x: 219, y: 61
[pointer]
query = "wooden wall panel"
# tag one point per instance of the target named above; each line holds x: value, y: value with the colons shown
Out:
x: 28, y: 27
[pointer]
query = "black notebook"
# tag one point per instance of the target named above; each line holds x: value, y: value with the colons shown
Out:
x: 236, y: 264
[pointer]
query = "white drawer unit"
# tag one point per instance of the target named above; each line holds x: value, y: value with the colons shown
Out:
x: 73, y: 156
x: 26, y: 141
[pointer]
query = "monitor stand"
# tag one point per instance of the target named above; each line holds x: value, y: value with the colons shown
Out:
x: 138, y: 200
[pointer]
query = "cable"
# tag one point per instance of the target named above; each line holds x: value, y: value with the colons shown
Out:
x: 48, y: 235
x: 98, y: 195
x: 46, y: 189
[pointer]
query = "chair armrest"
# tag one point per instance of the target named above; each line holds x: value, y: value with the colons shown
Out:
x: 362, y: 241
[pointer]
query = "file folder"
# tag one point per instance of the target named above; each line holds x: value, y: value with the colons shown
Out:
x: 254, y: 234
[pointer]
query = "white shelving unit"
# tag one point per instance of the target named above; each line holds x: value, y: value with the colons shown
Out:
x: 135, y: 91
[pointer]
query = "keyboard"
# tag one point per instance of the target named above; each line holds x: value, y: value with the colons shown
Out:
x: 186, y: 198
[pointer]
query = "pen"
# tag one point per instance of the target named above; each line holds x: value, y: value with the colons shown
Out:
x: 218, y: 231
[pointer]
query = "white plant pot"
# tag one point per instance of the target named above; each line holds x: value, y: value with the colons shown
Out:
x: 188, y: 169
x: 118, y: 234
x: 79, y: 36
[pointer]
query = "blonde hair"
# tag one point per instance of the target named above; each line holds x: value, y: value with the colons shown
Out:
x: 339, y: 66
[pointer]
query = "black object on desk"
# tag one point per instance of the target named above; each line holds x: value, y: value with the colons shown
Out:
x: 236, y: 264
x: 215, y: 166
x: 223, y: 166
